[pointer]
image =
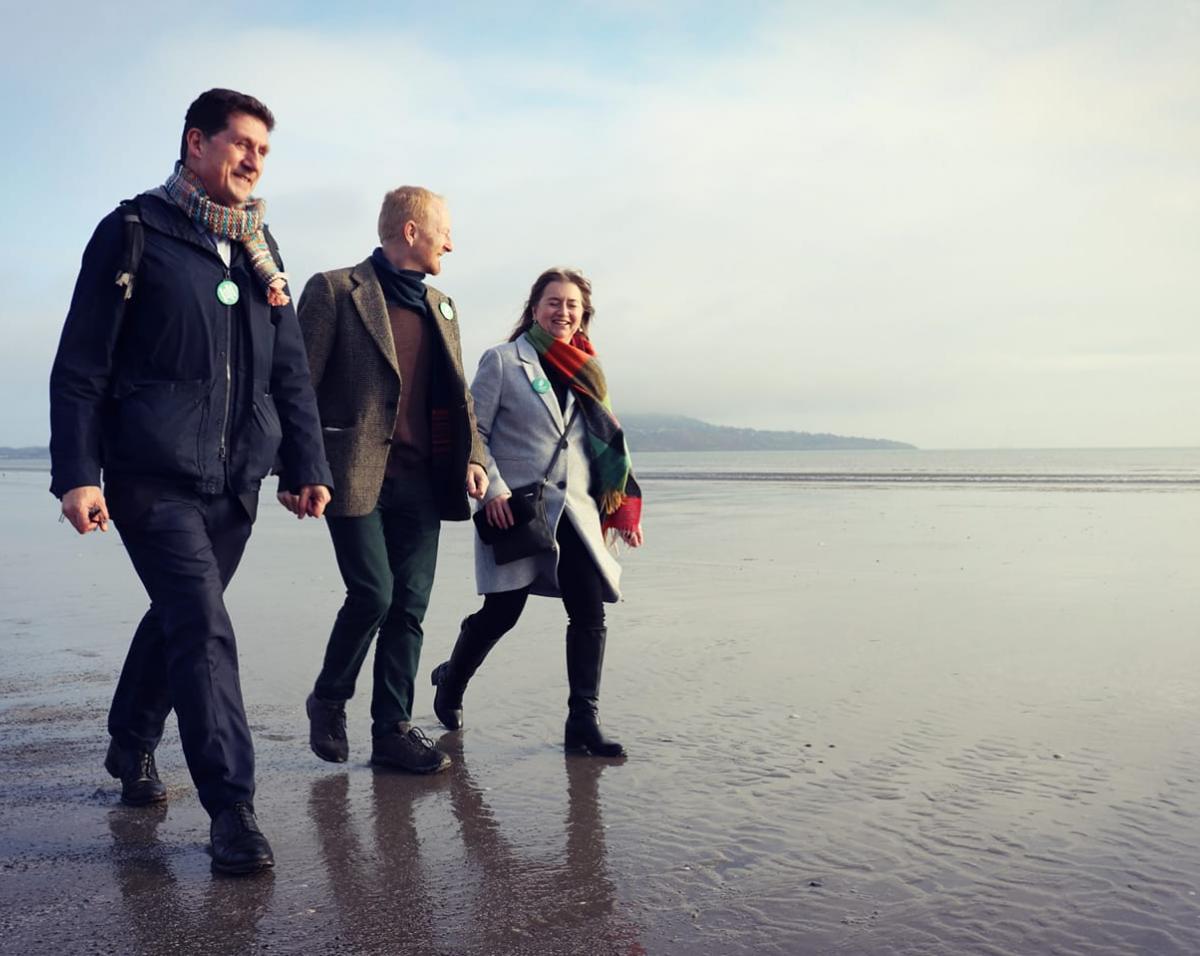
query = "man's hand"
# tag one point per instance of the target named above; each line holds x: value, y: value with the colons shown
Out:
x: 310, y: 502
x: 289, y: 501
x: 477, y: 481
x: 313, y: 499
x: 85, y: 508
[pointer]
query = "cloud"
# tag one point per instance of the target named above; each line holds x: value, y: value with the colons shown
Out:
x: 900, y: 224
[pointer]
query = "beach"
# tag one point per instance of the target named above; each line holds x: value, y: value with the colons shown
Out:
x: 863, y: 716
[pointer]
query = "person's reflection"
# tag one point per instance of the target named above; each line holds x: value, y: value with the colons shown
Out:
x: 379, y: 891
x: 587, y: 884
x: 160, y: 915
x: 562, y: 909
x: 409, y: 919
x: 143, y: 874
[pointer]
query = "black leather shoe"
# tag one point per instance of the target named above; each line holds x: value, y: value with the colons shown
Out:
x: 238, y: 846
x: 406, y: 748
x: 327, y: 728
x: 135, y: 769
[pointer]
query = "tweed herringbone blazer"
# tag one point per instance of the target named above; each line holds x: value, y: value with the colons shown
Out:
x: 352, y: 359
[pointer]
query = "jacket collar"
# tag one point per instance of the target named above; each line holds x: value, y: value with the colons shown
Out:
x: 532, y: 364
x: 367, y: 295
x: 164, y: 216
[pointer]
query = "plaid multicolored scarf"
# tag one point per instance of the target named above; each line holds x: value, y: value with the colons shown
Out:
x: 244, y: 225
x: 614, y: 487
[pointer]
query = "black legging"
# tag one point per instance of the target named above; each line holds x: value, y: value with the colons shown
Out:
x: 579, y: 580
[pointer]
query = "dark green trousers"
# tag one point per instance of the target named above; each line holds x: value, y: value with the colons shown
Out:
x: 387, y: 559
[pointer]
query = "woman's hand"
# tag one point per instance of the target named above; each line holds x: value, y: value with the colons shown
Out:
x: 499, y: 514
x: 632, y: 538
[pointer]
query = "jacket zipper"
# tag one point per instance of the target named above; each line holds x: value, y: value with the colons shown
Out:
x: 221, y: 451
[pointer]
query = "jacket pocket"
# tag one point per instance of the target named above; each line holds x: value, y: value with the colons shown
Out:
x: 341, y: 444
x: 157, y: 428
x: 263, y: 436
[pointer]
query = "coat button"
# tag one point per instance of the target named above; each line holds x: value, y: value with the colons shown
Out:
x: 561, y: 485
x: 563, y: 445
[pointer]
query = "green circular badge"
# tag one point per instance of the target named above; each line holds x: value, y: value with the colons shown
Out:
x: 541, y: 386
x: 446, y: 309
x: 227, y: 292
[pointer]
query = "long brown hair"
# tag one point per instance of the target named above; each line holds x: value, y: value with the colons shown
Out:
x: 557, y: 274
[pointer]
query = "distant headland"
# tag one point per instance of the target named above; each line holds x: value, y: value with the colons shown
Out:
x: 664, y: 433
x: 29, y: 452
x: 679, y: 433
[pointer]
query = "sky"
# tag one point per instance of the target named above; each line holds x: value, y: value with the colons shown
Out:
x: 955, y: 224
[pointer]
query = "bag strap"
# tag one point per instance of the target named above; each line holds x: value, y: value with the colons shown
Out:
x: 134, y: 242
x: 558, y: 448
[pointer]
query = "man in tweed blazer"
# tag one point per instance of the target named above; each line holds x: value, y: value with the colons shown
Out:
x: 400, y: 436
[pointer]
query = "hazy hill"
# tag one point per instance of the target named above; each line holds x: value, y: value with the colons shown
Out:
x: 674, y: 433
x: 28, y: 452
x: 679, y: 433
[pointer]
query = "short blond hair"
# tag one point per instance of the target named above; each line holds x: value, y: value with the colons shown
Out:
x: 401, y: 205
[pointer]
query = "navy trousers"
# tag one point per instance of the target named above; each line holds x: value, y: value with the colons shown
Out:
x: 185, y: 548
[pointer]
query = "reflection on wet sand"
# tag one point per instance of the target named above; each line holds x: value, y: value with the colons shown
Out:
x: 561, y: 909
x: 489, y: 899
x: 224, y: 920
x: 379, y: 893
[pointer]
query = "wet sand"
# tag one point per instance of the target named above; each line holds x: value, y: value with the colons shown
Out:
x: 861, y: 720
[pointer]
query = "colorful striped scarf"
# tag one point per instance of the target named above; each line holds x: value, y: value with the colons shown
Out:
x: 613, y: 485
x: 244, y: 224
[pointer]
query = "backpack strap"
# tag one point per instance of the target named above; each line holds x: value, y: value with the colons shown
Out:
x: 134, y: 243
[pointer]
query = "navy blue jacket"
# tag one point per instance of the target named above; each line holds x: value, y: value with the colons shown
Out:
x: 182, y: 389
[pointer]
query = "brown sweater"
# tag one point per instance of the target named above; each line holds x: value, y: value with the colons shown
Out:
x: 414, y: 355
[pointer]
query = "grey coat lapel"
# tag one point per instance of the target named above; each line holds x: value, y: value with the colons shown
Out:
x: 533, y: 370
x: 367, y: 296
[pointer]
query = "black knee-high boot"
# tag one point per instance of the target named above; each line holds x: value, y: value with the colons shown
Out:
x: 450, y: 677
x: 585, y: 662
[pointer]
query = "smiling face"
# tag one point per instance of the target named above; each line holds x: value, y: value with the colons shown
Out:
x: 230, y: 162
x: 560, y: 310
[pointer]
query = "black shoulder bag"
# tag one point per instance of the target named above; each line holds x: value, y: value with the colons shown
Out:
x: 530, y: 533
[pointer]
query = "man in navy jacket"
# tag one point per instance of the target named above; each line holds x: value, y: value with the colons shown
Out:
x: 182, y: 396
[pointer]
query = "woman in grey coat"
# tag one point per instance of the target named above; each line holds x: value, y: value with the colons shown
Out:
x: 541, y: 390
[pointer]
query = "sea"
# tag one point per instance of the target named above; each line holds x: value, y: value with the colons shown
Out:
x: 1081, y: 468
x: 1167, y: 469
